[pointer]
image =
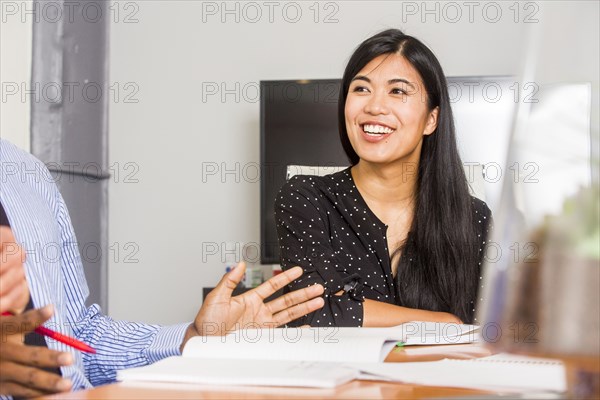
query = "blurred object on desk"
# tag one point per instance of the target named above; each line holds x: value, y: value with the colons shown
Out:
x: 541, y: 288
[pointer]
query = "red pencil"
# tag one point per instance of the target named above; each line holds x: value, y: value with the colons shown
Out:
x: 59, y: 337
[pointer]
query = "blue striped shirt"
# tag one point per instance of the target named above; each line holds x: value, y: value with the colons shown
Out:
x: 42, y: 226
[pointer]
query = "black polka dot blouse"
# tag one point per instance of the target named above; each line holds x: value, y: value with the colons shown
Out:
x: 325, y: 226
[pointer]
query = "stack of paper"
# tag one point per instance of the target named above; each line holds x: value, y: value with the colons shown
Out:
x: 327, y: 357
x: 242, y: 372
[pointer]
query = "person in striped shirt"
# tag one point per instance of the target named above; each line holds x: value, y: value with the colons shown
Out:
x: 56, y: 289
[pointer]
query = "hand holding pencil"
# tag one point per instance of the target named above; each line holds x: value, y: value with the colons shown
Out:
x: 14, y: 292
x: 21, y: 365
x: 21, y: 372
x: 59, y: 337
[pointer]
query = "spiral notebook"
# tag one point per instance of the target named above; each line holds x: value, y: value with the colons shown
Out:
x: 500, y: 372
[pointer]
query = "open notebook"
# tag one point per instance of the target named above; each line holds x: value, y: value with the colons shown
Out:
x: 326, y: 344
x: 500, y: 372
x: 314, y: 355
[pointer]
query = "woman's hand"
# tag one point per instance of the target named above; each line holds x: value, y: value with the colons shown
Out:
x: 379, y: 314
x: 445, y: 317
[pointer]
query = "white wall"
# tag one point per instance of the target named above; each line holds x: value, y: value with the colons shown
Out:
x: 15, y: 71
x: 166, y: 211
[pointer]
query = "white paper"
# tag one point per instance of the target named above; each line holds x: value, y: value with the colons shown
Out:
x: 278, y: 346
x: 309, y: 357
x: 498, y: 372
x: 326, y: 344
x: 241, y: 372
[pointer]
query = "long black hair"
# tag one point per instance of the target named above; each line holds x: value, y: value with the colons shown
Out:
x: 439, y: 268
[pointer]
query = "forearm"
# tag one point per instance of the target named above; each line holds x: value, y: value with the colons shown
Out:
x: 380, y: 314
x: 121, y: 344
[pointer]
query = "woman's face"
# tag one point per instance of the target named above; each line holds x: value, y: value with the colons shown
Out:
x: 386, y: 112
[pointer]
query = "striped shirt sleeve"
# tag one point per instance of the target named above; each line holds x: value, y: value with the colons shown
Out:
x: 119, y: 344
x: 40, y: 221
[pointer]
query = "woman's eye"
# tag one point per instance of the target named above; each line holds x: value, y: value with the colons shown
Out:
x: 360, y: 89
x: 398, y: 91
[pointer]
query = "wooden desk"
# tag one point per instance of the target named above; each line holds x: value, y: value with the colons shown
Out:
x: 351, y: 390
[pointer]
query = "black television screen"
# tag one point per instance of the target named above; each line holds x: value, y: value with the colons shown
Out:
x: 298, y: 126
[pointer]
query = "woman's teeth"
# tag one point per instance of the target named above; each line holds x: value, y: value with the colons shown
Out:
x: 377, y: 130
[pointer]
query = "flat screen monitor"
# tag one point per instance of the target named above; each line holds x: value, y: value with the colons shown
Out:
x: 298, y: 126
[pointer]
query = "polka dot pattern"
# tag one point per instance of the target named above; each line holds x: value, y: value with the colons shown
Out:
x: 325, y: 226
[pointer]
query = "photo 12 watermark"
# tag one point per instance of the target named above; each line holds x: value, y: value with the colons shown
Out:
x: 288, y: 92
x: 127, y: 252
x: 453, y: 12
x: 518, y: 252
x: 492, y: 92
x: 70, y: 11
x: 127, y: 172
x: 70, y: 92
x: 252, y: 12
x: 224, y: 252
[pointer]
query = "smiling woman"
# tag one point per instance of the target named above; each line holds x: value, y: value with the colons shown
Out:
x: 397, y: 236
x: 385, y: 115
